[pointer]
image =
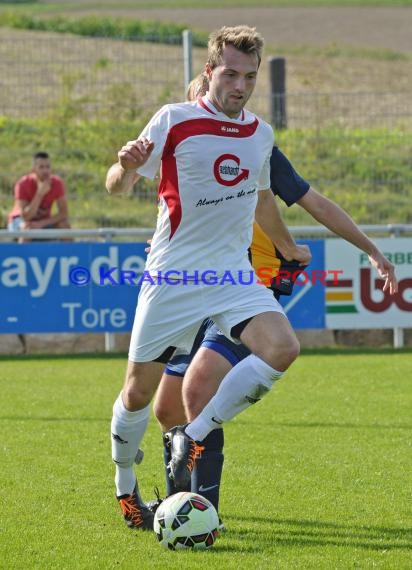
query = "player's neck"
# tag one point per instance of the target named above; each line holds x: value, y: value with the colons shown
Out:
x: 220, y: 110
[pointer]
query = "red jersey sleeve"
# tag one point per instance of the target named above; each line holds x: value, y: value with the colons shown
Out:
x: 57, y: 188
x: 25, y: 189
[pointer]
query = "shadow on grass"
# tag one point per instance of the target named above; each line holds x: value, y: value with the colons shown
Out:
x: 322, y: 425
x: 307, y: 533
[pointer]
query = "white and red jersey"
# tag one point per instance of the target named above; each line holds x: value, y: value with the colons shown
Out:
x: 211, y: 168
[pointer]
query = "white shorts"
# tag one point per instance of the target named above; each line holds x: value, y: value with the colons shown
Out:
x: 170, y: 315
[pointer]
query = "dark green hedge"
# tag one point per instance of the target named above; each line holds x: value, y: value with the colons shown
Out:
x: 94, y: 26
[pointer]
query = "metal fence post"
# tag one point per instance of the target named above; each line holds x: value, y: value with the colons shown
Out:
x: 398, y: 337
x: 187, y: 57
x: 277, y: 76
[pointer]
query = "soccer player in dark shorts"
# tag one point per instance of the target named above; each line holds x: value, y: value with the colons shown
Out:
x: 168, y: 405
x: 220, y: 353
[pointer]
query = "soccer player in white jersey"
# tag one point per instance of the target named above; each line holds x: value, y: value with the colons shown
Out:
x: 213, y: 158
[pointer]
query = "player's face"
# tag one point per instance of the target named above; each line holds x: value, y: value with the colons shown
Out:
x: 232, y: 82
x: 42, y: 168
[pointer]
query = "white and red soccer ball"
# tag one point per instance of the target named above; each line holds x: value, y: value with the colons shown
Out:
x: 186, y: 521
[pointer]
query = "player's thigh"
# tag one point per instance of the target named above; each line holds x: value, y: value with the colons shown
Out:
x: 271, y: 337
x: 202, y: 379
x: 168, y: 403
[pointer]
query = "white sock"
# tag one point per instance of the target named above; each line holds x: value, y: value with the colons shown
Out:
x: 127, y: 429
x: 244, y: 385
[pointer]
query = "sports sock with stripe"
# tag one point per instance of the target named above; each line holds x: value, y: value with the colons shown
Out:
x: 127, y: 429
x: 243, y: 386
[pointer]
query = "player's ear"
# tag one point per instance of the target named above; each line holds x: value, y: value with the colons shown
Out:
x: 208, y: 71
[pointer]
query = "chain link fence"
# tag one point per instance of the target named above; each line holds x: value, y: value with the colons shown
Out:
x: 95, y: 78
x: 37, y: 70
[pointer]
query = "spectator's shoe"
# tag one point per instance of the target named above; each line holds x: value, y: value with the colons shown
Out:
x: 184, y: 451
x: 154, y: 504
x: 135, y: 512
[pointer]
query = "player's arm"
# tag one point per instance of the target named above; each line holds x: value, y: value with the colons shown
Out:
x: 338, y: 221
x: 269, y: 219
x: 122, y: 175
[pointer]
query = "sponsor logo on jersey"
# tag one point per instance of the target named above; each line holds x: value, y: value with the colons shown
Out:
x: 229, y: 129
x: 227, y: 169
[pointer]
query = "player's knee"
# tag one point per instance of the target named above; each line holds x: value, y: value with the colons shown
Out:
x: 139, y: 387
x: 293, y: 350
x: 166, y: 416
x: 159, y: 411
x: 195, y: 397
x: 280, y: 355
x: 136, y: 397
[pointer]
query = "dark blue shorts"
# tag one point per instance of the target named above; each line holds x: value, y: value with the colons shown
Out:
x: 209, y: 336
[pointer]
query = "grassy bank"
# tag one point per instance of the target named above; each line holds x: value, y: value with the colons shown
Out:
x: 88, y: 96
x: 367, y: 171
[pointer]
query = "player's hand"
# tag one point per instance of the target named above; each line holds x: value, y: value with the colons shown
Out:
x: 386, y: 270
x: 135, y: 153
x: 299, y: 253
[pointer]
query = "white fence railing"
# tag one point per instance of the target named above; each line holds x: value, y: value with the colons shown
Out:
x: 107, y: 234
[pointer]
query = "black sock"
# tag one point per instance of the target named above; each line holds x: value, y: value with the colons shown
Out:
x: 207, y: 472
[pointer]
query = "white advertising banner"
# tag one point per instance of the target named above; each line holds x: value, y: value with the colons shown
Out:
x: 354, y: 297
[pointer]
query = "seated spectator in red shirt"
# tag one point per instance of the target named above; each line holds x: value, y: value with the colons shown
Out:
x: 34, y: 197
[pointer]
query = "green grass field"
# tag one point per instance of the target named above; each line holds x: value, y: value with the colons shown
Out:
x: 317, y: 476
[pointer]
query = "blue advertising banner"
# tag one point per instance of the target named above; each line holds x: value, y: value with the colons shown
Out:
x: 305, y: 308
x: 93, y: 287
x: 55, y: 287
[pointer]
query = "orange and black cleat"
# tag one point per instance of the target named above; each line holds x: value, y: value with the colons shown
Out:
x: 184, y: 452
x: 135, y: 512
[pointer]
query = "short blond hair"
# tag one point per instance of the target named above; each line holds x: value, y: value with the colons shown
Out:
x: 197, y: 87
x: 243, y: 38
